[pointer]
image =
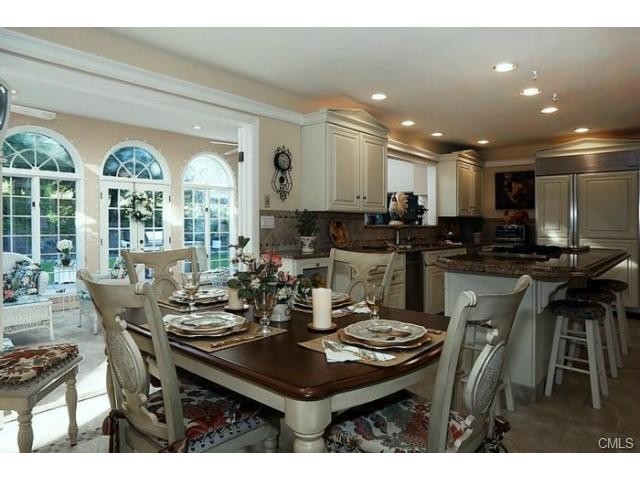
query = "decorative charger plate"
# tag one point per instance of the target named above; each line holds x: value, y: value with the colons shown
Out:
x: 234, y: 330
x: 385, y: 332
x: 203, y: 296
x: 336, y: 297
x: 212, y: 324
x: 338, y: 233
x: 345, y: 338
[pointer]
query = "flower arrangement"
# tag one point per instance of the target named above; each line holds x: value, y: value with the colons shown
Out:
x: 256, y: 274
x: 137, y: 206
x: 64, y: 247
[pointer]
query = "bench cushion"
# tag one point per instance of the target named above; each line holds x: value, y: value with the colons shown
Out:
x: 395, y: 424
x: 24, y: 365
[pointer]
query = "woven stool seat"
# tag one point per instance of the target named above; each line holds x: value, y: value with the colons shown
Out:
x: 577, y: 309
x: 591, y: 295
x: 607, y: 284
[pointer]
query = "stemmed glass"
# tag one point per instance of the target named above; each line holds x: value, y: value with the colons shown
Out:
x: 191, y: 285
x: 264, y: 300
x: 373, y: 296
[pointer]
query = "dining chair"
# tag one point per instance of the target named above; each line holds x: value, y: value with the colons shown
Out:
x: 405, y: 422
x: 348, y: 270
x: 186, y: 414
x: 164, y: 283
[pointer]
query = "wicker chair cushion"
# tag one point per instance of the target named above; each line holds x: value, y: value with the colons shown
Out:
x: 212, y: 414
x: 607, y: 284
x: 577, y: 309
x: 591, y: 295
x: 25, y: 277
x: 395, y: 424
x: 24, y: 365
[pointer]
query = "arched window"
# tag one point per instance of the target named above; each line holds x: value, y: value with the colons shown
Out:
x: 128, y: 167
x: 209, y: 207
x: 40, y: 189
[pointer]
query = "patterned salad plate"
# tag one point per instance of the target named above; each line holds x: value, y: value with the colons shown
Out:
x: 338, y: 300
x: 206, y: 325
x: 386, y: 333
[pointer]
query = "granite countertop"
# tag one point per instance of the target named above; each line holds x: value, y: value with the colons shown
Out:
x: 590, y: 263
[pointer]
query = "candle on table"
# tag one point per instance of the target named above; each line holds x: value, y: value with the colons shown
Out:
x: 321, y: 307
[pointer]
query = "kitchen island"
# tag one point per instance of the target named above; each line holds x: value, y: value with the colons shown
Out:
x: 532, y: 334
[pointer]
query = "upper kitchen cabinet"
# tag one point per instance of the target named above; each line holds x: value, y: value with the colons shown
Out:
x: 460, y: 184
x: 552, y: 209
x: 344, y: 162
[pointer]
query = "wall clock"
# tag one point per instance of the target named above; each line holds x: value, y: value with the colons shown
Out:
x: 281, y: 182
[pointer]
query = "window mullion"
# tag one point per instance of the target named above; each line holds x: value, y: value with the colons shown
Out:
x: 35, y: 219
x: 207, y: 226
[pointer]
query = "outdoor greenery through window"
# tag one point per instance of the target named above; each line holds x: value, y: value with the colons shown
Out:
x: 209, y: 208
x: 39, y: 193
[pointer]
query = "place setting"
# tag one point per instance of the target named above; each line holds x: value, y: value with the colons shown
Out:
x: 192, y: 296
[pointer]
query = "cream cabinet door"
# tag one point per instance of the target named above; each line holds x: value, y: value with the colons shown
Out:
x: 464, y: 188
x: 552, y: 209
x: 344, y: 163
x: 374, y: 173
x: 434, y: 298
x: 475, y: 193
x: 627, y: 270
x: 608, y: 205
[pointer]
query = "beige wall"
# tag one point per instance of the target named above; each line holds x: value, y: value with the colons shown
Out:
x: 93, y: 138
x: 273, y: 134
x: 488, y: 190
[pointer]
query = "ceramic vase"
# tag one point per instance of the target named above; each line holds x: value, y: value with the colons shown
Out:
x: 307, y: 244
x: 282, y: 312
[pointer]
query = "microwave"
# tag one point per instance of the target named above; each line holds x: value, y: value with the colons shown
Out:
x: 511, y: 233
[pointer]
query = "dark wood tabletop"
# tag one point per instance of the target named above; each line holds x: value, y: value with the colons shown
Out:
x: 279, y: 364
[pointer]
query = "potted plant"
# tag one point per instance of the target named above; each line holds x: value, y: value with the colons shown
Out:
x: 234, y: 285
x: 64, y: 247
x: 306, y: 224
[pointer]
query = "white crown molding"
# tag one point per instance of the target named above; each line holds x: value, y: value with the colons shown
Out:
x: 397, y: 147
x: 509, y: 163
x: 17, y: 43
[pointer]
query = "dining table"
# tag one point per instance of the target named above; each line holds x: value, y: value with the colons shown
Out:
x: 278, y: 372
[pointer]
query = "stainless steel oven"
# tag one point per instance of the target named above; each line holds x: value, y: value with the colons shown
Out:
x: 511, y: 233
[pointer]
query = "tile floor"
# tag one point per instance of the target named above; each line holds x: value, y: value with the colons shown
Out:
x: 565, y: 422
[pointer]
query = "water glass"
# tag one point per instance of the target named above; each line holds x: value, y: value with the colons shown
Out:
x: 264, y: 301
x: 373, y: 296
x: 191, y: 285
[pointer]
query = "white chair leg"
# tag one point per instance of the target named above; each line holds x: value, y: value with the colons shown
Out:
x: 611, y: 343
x: 602, y: 369
x: 270, y: 443
x: 95, y: 323
x: 25, y: 431
x: 79, y: 318
x: 71, y: 397
x: 553, y: 357
x: 623, y: 324
x: 1, y: 418
x: 593, y: 363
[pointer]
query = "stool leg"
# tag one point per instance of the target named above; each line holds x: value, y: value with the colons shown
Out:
x: 71, y: 397
x: 553, y: 357
x: 623, y: 325
x: 602, y: 369
x: 562, y: 350
x: 611, y: 343
x: 25, y: 431
x: 573, y: 347
x: 593, y: 363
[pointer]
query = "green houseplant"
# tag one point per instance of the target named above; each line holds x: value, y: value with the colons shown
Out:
x: 307, y: 226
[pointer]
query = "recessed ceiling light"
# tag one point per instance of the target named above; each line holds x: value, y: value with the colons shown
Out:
x: 437, y: 134
x: 504, y: 67
x: 549, y: 110
x: 408, y: 123
x: 582, y: 129
x: 483, y: 142
x: 197, y: 127
x: 530, y: 91
x: 378, y: 96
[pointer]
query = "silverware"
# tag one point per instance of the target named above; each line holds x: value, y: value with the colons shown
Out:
x: 341, y: 347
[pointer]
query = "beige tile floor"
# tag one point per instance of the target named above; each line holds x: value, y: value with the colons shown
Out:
x: 565, y: 422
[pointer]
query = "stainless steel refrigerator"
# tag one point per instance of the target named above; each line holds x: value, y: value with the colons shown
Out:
x: 587, y: 195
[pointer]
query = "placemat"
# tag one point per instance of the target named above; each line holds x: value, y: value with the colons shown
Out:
x: 220, y: 343
x: 401, y: 355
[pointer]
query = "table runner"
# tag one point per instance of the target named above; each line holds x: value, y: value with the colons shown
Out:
x: 214, y: 344
x: 400, y: 354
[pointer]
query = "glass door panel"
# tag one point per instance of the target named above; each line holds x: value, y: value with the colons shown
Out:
x: 153, y: 228
x: 57, y: 219
x: 219, y: 226
x: 16, y: 215
x: 119, y: 226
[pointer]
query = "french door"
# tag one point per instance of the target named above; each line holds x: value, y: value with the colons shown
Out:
x: 118, y: 232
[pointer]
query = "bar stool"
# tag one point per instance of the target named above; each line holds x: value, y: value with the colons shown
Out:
x: 606, y: 299
x: 617, y: 287
x: 589, y: 313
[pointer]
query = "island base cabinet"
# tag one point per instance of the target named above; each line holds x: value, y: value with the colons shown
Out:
x: 532, y: 333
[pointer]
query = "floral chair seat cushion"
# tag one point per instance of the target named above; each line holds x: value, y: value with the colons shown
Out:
x: 212, y: 414
x: 395, y: 424
x: 25, y: 277
x: 24, y: 365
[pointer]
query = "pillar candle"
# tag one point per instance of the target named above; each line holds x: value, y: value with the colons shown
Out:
x: 235, y: 302
x: 321, y: 307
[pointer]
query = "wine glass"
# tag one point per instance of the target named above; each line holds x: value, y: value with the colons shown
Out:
x: 373, y: 297
x: 264, y: 300
x: 191, y: 285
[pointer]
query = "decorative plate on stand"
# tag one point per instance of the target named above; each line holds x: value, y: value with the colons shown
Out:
x: 338, y: 233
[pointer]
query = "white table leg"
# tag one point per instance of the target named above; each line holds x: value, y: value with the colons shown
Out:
x: 71, y: 397
x: 25, y: 432
x: 308, y: 420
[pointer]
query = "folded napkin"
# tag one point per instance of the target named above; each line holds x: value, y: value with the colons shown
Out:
x: 340, y: 352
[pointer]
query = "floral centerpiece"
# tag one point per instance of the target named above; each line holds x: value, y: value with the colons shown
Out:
x: 137, y: 206
x: 64, y: 247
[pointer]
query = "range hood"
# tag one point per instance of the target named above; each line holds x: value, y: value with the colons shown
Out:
x: 589, y: 155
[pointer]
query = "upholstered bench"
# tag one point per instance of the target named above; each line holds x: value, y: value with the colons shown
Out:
x: 29, y: 374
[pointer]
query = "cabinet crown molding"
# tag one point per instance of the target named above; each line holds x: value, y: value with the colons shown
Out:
x: 354, y: 119
x: 588, y: 146
x: 469, y: 156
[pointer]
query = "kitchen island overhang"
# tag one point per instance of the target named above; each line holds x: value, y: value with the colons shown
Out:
x: 532, y: 334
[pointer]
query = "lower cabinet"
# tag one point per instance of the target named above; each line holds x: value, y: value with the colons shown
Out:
x: 434, y: 292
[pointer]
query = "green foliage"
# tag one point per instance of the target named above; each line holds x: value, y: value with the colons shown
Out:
x: 306, y: 223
